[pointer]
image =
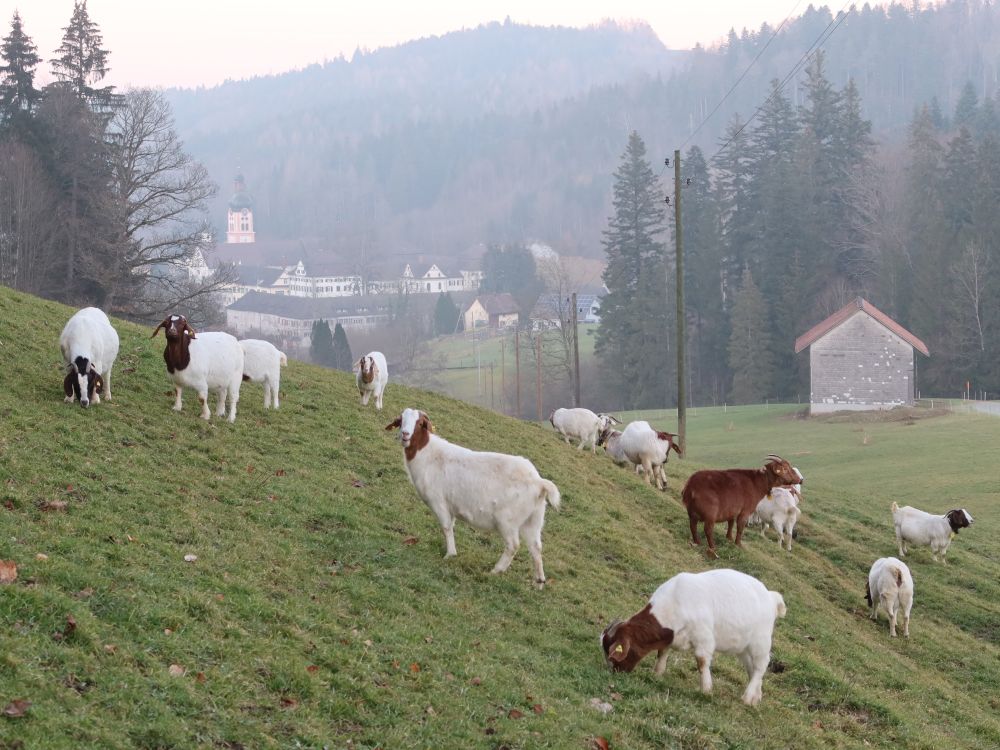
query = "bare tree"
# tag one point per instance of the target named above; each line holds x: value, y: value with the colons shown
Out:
x: 26, y: 231
x: 971, y: 273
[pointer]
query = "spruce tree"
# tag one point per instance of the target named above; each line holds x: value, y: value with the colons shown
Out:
x: 633, y: 338
x: 967, y: 107
x: 446, y: 315
x: 81, y: 61
x: 321, y: 344
x: 750, y: 345
x: 342, y: 359
x: 17, y: 74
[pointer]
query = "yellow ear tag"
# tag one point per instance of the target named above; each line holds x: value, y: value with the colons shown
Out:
x: 952, y: 535
x: 619, y: 649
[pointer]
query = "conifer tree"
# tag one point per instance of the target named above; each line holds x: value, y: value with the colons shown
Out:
x: 81, y: 62
x: 321, y: 344
x: 342, y: 359
x: 446, y: 315
x: 17, y: 74
x: 967, y: 107
x: 750, y: 345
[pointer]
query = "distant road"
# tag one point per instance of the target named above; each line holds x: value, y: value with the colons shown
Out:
x: 987, y: 407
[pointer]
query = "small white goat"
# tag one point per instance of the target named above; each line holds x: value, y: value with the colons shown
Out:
x: 89, y: 347
x: 492, y: 491
x: 890, y: 586
x: 780, y: 509
x: 643, y: 446
x: 581, y: 424
x: 203, y: 361
x: 262, y: 361
x: 717, y: 611
x: 372, y: 376
x: 917, y: 527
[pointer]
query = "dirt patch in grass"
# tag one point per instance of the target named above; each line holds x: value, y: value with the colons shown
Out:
x: 904, y: 414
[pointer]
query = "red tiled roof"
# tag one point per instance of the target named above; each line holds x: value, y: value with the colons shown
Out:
x: 857, y: 305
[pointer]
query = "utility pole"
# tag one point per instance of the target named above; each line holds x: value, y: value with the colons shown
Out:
x: 681, y: 322
x: 576, y: 355
x: 517, y: 371
x: 503, y: 377
x: 538, y: 375
x: 492, y: 406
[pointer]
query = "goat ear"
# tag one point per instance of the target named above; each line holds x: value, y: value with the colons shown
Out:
x: 394, y: 424
x: 68, y: 385
x: 190, y: 330
x: 619, y: 650
x: 157, y: 329
x: 613, y: 420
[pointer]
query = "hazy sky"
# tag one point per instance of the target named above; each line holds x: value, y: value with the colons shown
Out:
x: 192, y: 42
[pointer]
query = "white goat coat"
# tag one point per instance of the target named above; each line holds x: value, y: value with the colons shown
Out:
x: 262, y: 362
x: 377, y: 386
x: 781, y: 510
x: 579, y: 424
x: 89, y: 333
x: 216, y: 363
x: 720, y: 611
x: 640, y: 445
x: 917, y: 527
x: 890, y: 587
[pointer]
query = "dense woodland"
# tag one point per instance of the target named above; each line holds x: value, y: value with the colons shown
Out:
x: 867, y: 167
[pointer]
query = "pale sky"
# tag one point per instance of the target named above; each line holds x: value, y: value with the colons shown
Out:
x: 204, y: 42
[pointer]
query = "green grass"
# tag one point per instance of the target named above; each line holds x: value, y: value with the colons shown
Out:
x: 320, y: 612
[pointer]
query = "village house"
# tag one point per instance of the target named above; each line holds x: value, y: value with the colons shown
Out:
x: 549, y: 311
x: 860, y: 358
x: 495, y: 311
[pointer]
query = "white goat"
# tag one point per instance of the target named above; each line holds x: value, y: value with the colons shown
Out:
x: 644, y: 446
x: 492, y: 491
x: 372, y: 376
x: 262, y: 361
x: 89, y: 347
x: 780, y: 509
x: 203, y: 361
x: 890, y: 586
x: 717, y: 611
x: 917, y: 527
x: 582, y: 425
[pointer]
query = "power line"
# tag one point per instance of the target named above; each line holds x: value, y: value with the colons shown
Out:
x: 742, y: 75
x: 820, y: 40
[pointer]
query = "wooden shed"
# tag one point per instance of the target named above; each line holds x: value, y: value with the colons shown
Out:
x: 860, y: 358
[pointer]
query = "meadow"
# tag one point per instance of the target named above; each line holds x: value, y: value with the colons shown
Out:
x: 319, y: 611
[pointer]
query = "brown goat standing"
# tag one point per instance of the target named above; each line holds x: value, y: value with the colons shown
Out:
x: 731, y: 495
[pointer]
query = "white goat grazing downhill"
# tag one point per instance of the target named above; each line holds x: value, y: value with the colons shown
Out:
x: 917, y: 527
x: 646, y: 447
x: 890, y: 586
x: 89, y: 345
x: 719, y: 611
x: 372, y: 376
x: 203, y: 361
x: 491, y: 491
x: 581, y: 424
x: 780, y: 508
x: 262, y: 362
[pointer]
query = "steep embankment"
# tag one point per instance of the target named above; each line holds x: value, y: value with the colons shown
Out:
x: 319, y: 611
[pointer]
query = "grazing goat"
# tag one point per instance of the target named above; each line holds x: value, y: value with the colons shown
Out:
x: 917, y: 527
x: 491, y: 491
x: 780, y: 509
x: 642, y: 446
x: 582, y: 425
x: 89, y: 347
x: 262, y: 362
x: 718, y: 611
x: 202, y: 361
x: 731, y: 495
x: 372, y: 376
x: 890, y: 586
x: 613, y: 447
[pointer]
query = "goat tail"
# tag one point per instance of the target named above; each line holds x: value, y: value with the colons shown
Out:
x: 551, y: 420
x: 686, y: 495
x: 284, y: 359
x: 894, y: 507
x: 551, y: 493
x: 779, y: 604
x: 898, y: 574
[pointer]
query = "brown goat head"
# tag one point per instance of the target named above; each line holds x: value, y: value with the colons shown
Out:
x: 178, y: 333
x: 780, y: 472
x: 625, y: 644
x: 415, y: 430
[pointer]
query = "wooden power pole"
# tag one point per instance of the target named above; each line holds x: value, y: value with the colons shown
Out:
x: 538, y: 375
x: 576, y: 355
x: 517, y: 372
x: 681, y: 326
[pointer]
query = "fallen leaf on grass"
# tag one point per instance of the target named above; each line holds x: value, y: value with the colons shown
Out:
x: 358, y: 483
x: 289, y: 703
x: 537, y: 708
x: 431, y: 711
x: 411, y: 540
x: 16, y: 708
x: 515, y: 714
x: 279, y: 473
x: 70, y: 626
x: 176, y: 670
x: 190, y: 558
x: 476, y: 681
x: 414, y: 667
x: 200, y: 677
x: 599, y: 743
x: 8, y: 571
x: 251, y: 468
x: 312, y: 669
x: 52, y: 505
x: 41, y: 557
x: 110, y: 648
x: 598, y: 705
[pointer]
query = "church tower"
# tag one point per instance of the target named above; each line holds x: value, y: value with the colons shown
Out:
x: 240, y: 214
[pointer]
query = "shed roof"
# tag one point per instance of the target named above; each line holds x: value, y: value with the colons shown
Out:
x: 498, y: 304
x: 856, y: 305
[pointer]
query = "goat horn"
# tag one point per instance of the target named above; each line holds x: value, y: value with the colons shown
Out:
x: 610, y: 629
x: 774, y: 457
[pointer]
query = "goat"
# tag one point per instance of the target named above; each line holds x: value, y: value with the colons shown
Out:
x: 642, y: 446
x: 731, y: 495
x: 372, y: 376
x: 202, y: 361
x: 890, y: 586
x: 262, y: 361
x: 917, y: 527
x: 717, y: 611
x: 582, y: 425
x: 780, y: 509
x: 492, y: 491
x: 89, y: 345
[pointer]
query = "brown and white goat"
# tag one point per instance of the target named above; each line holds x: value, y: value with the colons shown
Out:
x: 372, y: 377
x: 731, y: 495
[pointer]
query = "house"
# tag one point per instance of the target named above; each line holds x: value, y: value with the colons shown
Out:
x: 491, y: 311
x: 860, y: 359
x: 548, y: 313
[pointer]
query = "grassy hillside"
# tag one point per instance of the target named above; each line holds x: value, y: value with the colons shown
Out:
x: 320, y: 613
